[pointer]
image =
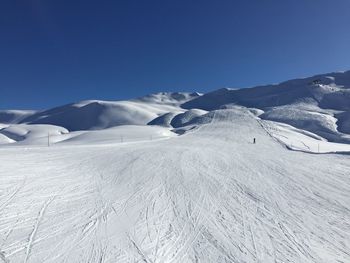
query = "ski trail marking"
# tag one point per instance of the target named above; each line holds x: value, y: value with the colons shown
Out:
x: 36, y: 226
x: 13, y: 195
x: 3, y: 258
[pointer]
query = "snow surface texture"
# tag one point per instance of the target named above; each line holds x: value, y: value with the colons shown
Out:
x: 210, y: 195
x: 111, y: 188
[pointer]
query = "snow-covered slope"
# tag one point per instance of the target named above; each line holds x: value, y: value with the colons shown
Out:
x: 344, y: 122
x: 177, y: 119
x: 318, y: 104
x: 31, y: 134
x: 5, y: 139
x: 169, y: 98
x: 327, y: 91
x: 210, y: 195
x: 301, y: 140
x: 40, y: 135
x: 94, y: 114
x: 165, y: 119
x: 112, y: 189
x: 14, y: 116
x: 120, y: 134
x: 184, y: 118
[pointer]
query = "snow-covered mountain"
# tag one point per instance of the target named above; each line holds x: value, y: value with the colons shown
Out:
x: 14, y: 116
x: 31, y: 127
x: 180, y: 177
x: 328, y: 91
x: 96, y: 114
x: 318, y: 104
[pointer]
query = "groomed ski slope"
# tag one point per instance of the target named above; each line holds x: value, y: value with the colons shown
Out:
x: 210, y: 195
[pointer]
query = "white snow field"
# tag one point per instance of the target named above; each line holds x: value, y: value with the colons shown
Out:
x: 35, y: 135
x: 301, y: 140
x: 176, y: 177
x: 210, y: 195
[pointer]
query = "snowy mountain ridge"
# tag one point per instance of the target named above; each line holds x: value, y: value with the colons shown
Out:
x: 326, y: 91
x: 318, y: 104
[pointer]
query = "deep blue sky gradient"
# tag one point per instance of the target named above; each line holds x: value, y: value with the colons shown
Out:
x: 56, y: 52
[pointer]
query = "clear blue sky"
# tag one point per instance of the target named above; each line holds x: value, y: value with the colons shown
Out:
x: 56, y: 52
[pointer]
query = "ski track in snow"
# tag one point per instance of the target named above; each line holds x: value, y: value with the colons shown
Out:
x: 210, y: 195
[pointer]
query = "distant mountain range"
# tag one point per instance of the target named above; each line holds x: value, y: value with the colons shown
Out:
x: 318, y: 104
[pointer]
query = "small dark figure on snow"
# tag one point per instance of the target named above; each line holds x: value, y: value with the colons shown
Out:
x: 254, y: 140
